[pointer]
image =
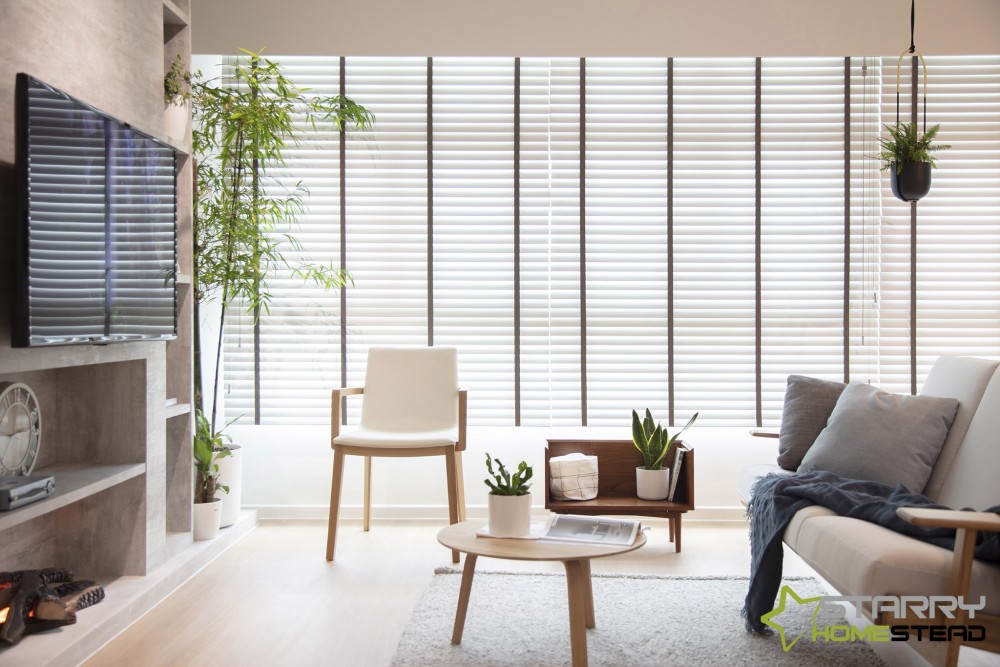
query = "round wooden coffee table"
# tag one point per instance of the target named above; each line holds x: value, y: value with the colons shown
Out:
x: 575, y: 558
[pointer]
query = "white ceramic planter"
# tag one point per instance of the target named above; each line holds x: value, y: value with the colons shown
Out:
x: 177, y: 122
x: 207, y: 517
x: 510, y: 516
x: 231, y: 475
x: 652, y: 484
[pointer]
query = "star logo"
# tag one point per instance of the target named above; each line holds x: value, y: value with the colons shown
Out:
x: 787, y: 592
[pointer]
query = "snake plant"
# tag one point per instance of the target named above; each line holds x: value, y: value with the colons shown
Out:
x: 652, y: 440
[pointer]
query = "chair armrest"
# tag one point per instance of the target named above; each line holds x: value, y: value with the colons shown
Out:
x: 335, y: 398
x: 949, y: 518
x: 762, y: 433
x: 463, y: 408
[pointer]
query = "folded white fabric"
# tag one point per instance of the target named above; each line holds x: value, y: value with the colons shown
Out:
x: 573, y: 477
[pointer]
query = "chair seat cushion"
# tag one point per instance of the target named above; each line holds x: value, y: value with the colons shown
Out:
x: 366, y: 437
x: 861, y: 558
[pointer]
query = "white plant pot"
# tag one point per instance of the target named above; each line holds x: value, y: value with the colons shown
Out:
x: 510, y: 516
x: 231, y: 475
x: 206, y: 519
x: 652, y: 484
x: 177, y: 122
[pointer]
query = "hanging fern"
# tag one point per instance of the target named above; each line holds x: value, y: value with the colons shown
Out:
x: 905, y: 144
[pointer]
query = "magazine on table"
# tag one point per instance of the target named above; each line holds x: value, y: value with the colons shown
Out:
x: 590, y: 530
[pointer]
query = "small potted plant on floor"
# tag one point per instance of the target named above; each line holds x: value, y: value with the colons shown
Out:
x: 652, y: 479
x: 509, y: 500
x: 906, y: 154
x: 208, y: 450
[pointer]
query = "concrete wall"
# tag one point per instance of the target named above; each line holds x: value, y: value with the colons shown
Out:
x: 596, y: 27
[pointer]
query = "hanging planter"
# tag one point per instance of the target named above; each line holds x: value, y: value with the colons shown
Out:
x: 912, y: 181
x: 906, y: 153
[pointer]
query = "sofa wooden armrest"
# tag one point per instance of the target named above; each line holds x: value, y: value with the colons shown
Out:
x: 939, y: 518
x: 966, y: 525
x: 764, y: 433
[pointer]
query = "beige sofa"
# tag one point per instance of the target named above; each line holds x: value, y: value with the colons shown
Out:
x: 861, y: 558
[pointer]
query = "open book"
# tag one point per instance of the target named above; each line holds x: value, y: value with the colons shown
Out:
x: 590, y: 530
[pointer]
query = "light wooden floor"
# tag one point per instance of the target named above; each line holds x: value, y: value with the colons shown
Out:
x: 273, y: 600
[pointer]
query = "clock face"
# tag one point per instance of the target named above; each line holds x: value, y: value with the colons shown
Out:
x: 20, y: 429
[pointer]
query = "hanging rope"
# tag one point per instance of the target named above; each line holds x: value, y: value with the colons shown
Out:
x: 899, y: 63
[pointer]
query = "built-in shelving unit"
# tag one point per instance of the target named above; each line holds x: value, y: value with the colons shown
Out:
x: 178, y: 410
x: 75, y: 483
x: 179, y: 487
x: 174, y: 15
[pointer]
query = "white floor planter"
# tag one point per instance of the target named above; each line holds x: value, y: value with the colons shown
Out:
x: 206, y: 519
x: 510, y: 516
x: 652, y: 484
x: 231, y: 475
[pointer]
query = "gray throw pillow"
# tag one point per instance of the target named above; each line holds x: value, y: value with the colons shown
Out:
x: 888, y: 438
x: 808, y: 404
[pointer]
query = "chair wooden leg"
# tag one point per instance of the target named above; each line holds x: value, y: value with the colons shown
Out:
x: 460, y: 481
x: 335, y: 486
x: 451, y: 468
x: 368, y: 494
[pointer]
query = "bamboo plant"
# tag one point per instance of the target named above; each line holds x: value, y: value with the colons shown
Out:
x: 244, y: 217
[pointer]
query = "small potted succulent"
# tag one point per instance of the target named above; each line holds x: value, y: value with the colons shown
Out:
x: 208, y: 450
x: 652, y: 479
x: 509, y: 500
x: 906, y: 154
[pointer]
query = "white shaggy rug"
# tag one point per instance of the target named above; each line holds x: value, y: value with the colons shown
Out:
x: 522, y: 619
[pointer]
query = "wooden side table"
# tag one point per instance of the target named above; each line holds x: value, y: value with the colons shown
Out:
x: 575, y: 558
x: 616, y: 464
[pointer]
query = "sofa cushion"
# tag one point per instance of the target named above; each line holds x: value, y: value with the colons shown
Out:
x: 888, y: 438
x: 963, y: 378
x: 808, y: 404
x: 971, y: 478
x: 861, y: 558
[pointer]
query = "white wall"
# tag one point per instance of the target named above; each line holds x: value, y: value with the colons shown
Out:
x: 287, y: 470
x: 595, y: 27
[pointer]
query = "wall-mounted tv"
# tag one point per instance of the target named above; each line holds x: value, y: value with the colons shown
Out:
x: 96, y: 235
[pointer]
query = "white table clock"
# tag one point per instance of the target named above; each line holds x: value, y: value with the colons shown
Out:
x: 20, y: 429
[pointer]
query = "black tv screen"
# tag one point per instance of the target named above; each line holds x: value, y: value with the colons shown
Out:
x: 97, y: 247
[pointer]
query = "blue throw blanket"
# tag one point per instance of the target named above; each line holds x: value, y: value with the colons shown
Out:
x: 776, y: 499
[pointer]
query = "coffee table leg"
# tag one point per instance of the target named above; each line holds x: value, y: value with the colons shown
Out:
x: 576, y: 585
x: 677, y: 534
x: 589, y: 581
x: 463, y: 597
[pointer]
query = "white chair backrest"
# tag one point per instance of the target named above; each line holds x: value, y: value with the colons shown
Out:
x: 411, y: 389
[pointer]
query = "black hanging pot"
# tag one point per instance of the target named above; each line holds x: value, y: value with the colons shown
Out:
x: 913, y: 182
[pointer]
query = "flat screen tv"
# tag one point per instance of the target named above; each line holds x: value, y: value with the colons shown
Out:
x: 96, y: 235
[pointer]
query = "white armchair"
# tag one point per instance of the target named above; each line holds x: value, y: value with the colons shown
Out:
x: 412, y: 406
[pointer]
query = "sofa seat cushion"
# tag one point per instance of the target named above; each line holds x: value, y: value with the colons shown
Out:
x: 861, y: 558
x: 751, y: 473
x: 794, y: 527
